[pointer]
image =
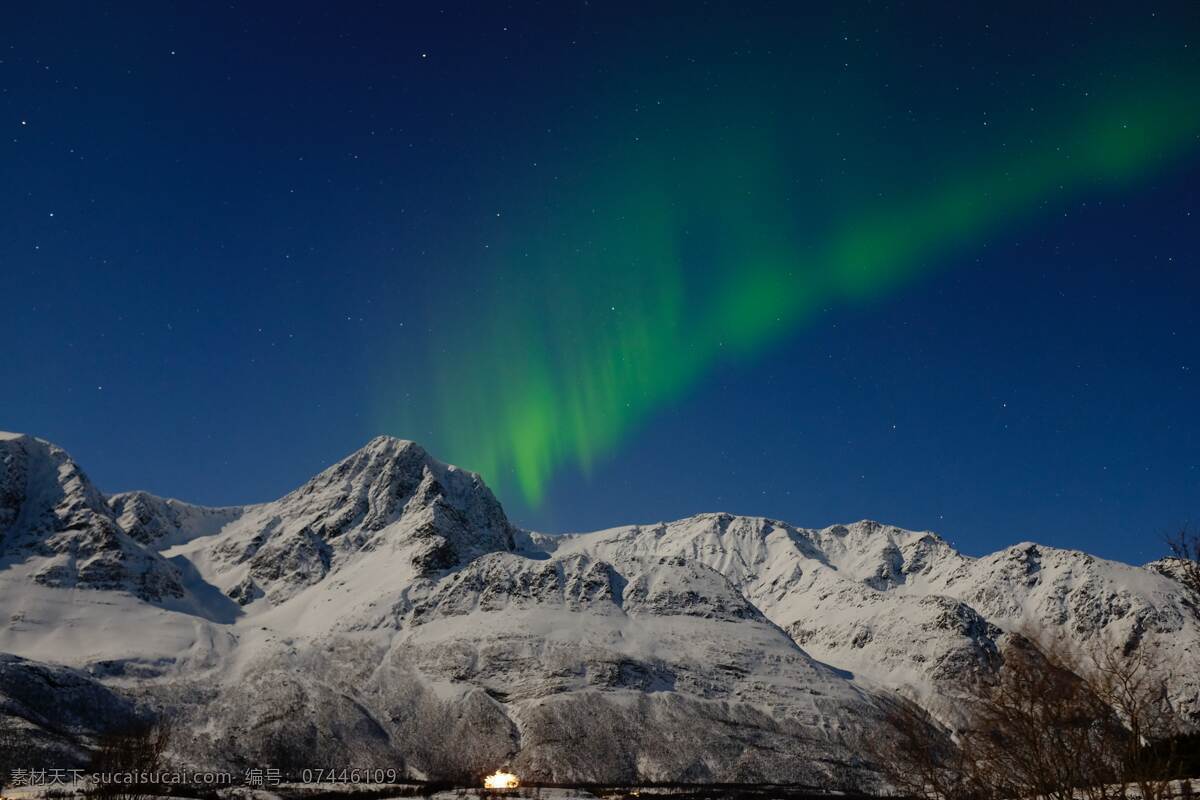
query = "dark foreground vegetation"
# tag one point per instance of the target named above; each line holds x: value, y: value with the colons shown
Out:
x: 657, y: 791
x: 1051, y: 723
x: 1046, y: 724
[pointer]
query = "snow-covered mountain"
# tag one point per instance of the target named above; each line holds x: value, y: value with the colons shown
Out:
x: 904, y: 611
x: 387, y: 612
x: 54, y: 520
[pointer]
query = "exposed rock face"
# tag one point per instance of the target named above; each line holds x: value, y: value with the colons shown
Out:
x: 386, y: 612
x: 390, y: 496
x: 156, y: 521
x: 52, y: 517
x: 498, y: 583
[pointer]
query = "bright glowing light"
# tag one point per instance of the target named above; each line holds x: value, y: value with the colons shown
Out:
x: 501, y: 780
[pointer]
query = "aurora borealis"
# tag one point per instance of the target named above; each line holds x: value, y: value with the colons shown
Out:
x: 925, y: 263
x: 691, y: 248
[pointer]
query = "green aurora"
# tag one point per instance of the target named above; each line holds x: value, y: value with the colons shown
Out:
x: 652, y: 262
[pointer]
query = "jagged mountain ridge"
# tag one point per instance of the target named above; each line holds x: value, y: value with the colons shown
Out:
x: 390, y: 605
x: 390, y: 495
x: 905, y: 611
x: 51, y: 512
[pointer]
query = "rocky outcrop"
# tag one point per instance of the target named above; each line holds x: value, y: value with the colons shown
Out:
x: 53, y: 518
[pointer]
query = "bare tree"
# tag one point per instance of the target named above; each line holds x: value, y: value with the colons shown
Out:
x: 288, y: 751
x: 1185, y: 547
x: 125, y: 760
x: 16, y: 751
x: 1128, y: 684
x: 1048, y: 724
x: 1039, y: 729
x: 919, y: 757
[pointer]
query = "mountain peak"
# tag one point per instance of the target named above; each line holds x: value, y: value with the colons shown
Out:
x: 53, y: 518
x: 393, y: 443
x: 388, y: 495
x: 379, y: 477
x: 41, y: 485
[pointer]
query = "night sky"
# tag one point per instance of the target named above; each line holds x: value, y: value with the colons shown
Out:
x: 929, y: 264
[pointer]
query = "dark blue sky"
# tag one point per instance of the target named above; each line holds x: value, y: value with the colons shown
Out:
x: 231, y: 235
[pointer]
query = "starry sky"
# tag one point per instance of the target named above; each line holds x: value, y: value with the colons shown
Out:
x: 932, y: 264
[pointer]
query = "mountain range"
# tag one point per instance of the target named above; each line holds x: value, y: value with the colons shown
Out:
x: 387, y: 613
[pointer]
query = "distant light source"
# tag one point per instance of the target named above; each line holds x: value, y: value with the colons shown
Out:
x: 501, y: 780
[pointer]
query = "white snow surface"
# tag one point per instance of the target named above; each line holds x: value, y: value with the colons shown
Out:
x: 390, y: 600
